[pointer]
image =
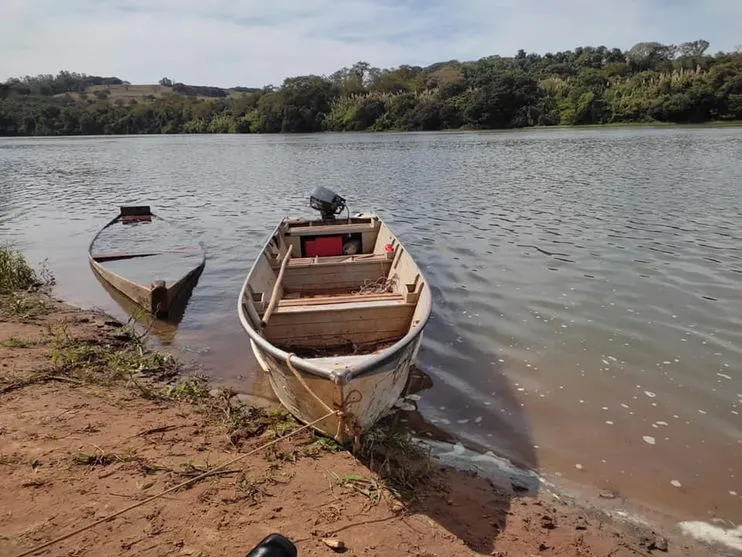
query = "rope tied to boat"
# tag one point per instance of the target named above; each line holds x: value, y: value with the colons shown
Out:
x: 206, y: 474
x: 381, y: 285
x: 352, y: 427
x: 344, y: 417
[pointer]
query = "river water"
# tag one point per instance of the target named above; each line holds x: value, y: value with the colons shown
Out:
x: 587, y: 302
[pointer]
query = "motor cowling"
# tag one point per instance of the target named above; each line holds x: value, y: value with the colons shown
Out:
x: 327, y: 202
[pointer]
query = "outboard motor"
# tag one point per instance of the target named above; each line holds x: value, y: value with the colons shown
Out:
x: 327, y: 202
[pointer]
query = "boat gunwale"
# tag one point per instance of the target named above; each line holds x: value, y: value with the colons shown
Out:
x: 368, y: 366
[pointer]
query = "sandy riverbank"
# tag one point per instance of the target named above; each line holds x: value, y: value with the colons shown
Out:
x: 87, y: 428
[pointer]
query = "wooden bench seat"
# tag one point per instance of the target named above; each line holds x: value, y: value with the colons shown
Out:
x: 307, y: 274
x: 340, y: 304
x: 337, y: 259
x: 338, y: 321
x: 340, y: 299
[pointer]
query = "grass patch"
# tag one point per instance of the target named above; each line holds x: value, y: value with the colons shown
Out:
x: 280, y: 422
x: 246, y: 490
x: 13, y: 342
x: 193, y: 388
x: 319, y: 445
x: 306, y: 445
x: 244, y: 421
x: 98, y: 458
x: 15, y: 272
x: 188, y: 471
x: 138, y: 326
x: 367, y: 487
x: 17, y: 280
x: 23, y: 305
x: 403, y: 464
x: 178, y: 473
x: 277, y: 454
x: 101, y: 363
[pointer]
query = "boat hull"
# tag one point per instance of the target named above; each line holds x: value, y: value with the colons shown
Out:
x: 159, y: 300
x: 363, y: 400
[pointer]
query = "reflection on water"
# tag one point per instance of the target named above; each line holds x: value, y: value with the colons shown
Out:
x: 162, y: 330
x: 587, y: 310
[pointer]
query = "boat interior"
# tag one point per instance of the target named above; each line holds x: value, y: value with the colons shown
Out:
x: 148, y: 260
x: 143, y: 248
x: 336, y: 288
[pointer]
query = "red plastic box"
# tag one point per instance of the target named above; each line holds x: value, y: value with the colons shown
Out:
x: 324, y: 246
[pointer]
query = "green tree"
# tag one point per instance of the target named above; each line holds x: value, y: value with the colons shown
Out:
x: 505, y: 95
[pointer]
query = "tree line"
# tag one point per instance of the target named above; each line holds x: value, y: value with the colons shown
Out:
x: 651, y: 82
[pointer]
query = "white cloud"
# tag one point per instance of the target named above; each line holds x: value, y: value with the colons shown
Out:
x: 252, y: 43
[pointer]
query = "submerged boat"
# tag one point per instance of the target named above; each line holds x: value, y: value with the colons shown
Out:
x: 150, y: 261
x: 335, y: 311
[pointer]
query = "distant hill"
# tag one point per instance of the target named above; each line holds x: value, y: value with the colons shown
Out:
x: 79, y: 85
x: 143, y: 93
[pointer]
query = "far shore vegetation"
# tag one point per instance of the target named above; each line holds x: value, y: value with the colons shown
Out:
x: 650, y: 83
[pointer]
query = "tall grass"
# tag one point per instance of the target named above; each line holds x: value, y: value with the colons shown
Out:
x: 15, y: 272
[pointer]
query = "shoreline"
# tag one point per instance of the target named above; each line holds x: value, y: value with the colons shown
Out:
x: 562, y: 127
x: 80, y: 442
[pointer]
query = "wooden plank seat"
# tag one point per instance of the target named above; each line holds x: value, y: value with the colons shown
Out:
x: 306, y: 274
x: 337, y: 321
x: 341, y: 299
x: 337, y: 259
x: 339, y: 303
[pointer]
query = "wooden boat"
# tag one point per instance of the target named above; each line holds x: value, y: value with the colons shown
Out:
x: 147, y: 259
x: 335, y: 330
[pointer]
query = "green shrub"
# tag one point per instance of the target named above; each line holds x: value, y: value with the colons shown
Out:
x: 15, y: 272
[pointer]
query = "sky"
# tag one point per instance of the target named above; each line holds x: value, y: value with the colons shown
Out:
x: 254, y: 43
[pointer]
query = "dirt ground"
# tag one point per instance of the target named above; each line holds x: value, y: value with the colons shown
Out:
x: 74, y: 450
